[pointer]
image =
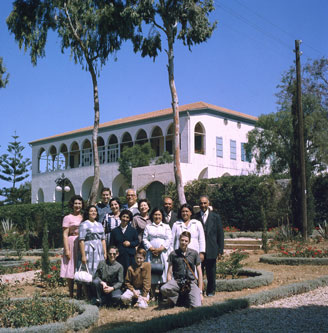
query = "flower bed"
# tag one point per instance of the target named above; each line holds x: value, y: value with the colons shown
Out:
x: 303, y: 252
x: 275, y: 259
x: 254, y: 279
x: 87, y: 316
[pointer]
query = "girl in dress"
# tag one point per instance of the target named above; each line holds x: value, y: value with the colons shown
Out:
x: 71, y: 224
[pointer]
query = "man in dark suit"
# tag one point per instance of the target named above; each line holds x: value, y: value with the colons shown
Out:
x: 214, y: 237
x: 169, y: 215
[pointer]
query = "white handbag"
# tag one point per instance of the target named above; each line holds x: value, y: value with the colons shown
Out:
x: 83, y: 276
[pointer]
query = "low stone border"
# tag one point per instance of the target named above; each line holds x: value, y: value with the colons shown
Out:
x: 188, y: 318
x: 239, y: 234
x: 88, y: 317
x: 273, y: 259
x: 257, y: 279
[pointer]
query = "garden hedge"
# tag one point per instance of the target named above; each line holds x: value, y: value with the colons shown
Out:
x: 320, y: 194
x: 187, y: 318
x: 239, y: 199
x: 29, y: 218
x: 257, y: 279
x: 292, y: 261
x: 88, y: 317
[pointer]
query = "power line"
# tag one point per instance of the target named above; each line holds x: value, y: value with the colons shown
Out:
x: 277, y: 27
x: 253, y: 25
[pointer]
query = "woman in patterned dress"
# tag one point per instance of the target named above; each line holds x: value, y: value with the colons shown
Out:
x: 71, y: 224
x: 112, y: 220
x: 92, y: 241
x: 157, y: 239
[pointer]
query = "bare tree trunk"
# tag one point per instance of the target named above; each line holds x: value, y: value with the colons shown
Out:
x: 95, y: 184
x: 175, y: 108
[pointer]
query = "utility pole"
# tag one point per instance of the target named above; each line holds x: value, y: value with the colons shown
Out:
x: 300, y: 129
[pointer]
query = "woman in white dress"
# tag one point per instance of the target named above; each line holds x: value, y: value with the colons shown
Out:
x: 185, y: 223
x: 157, y: 239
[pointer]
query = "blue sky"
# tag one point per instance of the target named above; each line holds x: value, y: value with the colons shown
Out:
x: 238, y: 68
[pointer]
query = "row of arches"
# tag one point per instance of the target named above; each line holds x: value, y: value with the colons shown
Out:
x: 154, y: 190
x: 119, y: 187
x: 76, y: 156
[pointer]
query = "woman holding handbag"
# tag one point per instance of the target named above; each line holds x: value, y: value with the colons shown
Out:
x: 92, y: 242
x: 157, y: 239
x: 71, y: 224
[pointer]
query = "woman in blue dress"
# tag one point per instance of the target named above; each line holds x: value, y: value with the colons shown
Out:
x: 92, y: 241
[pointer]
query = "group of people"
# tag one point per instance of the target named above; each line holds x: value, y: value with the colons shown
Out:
x: 131, y: 250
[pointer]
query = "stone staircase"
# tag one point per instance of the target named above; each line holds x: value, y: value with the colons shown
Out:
x: 242, y: 244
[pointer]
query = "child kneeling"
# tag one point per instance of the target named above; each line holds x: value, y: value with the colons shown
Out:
x: 138, y: 281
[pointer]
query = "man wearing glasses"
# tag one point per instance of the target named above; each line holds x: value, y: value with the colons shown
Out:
x: 131, y: 198
x: 108, y: 279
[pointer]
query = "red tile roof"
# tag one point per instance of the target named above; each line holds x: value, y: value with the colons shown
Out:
x: 158, y: 113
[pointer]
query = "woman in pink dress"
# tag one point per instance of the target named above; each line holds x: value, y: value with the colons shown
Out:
x: 71, y: 224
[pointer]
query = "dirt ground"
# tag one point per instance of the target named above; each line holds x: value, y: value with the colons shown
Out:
x: 283, y: 275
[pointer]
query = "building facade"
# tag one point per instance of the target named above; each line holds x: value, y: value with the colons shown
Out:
x: 211, y: 140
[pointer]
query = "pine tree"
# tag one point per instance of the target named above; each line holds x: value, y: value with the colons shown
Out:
x: 14, y: 169
x: 3, y: 76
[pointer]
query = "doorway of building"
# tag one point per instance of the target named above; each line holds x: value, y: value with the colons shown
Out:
x: 154, y: 194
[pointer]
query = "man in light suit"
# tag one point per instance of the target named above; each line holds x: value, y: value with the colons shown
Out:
x: 214, y: 237
x: 169, y: 215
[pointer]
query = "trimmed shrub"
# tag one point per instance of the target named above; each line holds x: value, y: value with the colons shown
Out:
x: 256, y: 279
x: 286, y: 291
x: 292, y: 261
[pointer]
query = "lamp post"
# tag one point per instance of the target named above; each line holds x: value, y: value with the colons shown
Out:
x: 62, y: 186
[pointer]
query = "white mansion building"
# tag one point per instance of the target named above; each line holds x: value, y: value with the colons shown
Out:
x: 212, y: 145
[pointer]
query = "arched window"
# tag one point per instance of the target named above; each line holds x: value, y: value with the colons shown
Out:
x: 40, y: 197
x: 126, y: 141
x: 199, y: 139
x: 112, y: 149
x: 62, y: 157
x: 42, y: 161
x: 86, y: 153
x: 141, y: 137
x: 169, y: 140
x: 74, y: 156
x: 52, y: 160
x: 157, y: 141
x: 101, y: 150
